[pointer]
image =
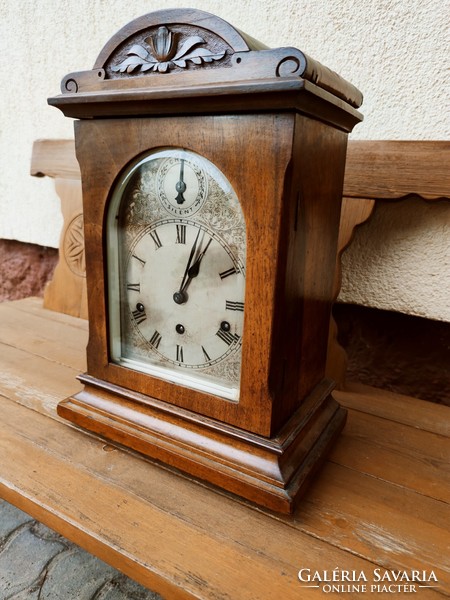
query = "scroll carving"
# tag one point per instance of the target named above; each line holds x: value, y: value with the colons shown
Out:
x: 164, y: 50
x: 70, y: 85
x: 291, y: 66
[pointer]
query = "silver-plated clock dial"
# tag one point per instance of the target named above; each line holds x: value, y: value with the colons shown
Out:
x: 177, y: 281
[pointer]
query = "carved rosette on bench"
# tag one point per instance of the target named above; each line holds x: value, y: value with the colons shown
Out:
x: 209, y: 308
x: 73, y: 246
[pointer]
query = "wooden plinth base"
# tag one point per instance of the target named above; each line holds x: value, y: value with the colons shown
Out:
x: 270, y: 472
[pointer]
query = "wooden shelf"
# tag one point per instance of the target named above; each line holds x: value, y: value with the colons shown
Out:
x: 381, y: 500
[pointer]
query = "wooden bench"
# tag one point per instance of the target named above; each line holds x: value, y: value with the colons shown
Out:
x: 381, y: 500
x: 379, y: 506
x: 375, y: 170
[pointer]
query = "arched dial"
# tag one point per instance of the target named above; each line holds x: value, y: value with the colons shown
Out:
x: 176, y: 272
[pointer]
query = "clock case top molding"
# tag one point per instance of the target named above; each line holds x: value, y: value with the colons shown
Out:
x: 275, y: 122
x: 189, y: 62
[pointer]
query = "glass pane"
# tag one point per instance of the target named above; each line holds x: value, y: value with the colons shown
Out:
x: 176, y: 262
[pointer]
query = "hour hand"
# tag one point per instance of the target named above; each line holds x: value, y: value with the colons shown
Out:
x: 192, y: 271
x: 179, y: 296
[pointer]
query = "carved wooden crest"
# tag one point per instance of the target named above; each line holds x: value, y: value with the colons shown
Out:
x: 191, y: 61
x: 166, y: 49
x: 170, y: 41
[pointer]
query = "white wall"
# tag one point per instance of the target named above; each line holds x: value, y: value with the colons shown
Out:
x: 401, y: 260
x: 395, y: 51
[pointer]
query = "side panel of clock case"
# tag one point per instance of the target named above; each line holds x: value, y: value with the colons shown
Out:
x: 307, y: 265
x: 286, y: 170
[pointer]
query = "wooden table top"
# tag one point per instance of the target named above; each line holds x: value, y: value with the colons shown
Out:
x: 379, y: 507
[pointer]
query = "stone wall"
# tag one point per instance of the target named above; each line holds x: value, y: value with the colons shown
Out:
x: 24, y: 269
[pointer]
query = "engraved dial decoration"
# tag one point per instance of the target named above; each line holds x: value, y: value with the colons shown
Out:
x: 176, y: 265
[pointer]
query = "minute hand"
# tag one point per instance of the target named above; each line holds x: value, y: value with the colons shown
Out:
x: 188, y: 266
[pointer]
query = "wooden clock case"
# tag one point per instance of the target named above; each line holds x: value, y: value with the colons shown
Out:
x: 275, y: 123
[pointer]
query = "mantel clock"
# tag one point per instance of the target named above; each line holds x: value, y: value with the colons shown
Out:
x: 212, y: 171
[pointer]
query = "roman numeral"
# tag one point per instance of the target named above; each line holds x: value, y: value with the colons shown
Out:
x: 227, y: 336
x: 134, y: 287
x: 180, y: 353
x: 181, y: 234
x: 139, y: 259
x: 234, y: 305
x: 228, y: 272
x: 205, y: 354
x: 155, y: 339
x: 139, y: 316
x: 155, y: 237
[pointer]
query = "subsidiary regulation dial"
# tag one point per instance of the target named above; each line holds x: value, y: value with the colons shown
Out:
x: 182, y: 185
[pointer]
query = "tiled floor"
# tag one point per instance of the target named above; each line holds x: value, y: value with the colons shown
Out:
x: 38, y: 564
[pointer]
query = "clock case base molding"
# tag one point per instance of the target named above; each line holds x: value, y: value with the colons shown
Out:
x: 273, y: 472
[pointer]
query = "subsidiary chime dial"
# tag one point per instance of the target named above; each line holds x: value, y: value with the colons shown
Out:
x: 176, y: 268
